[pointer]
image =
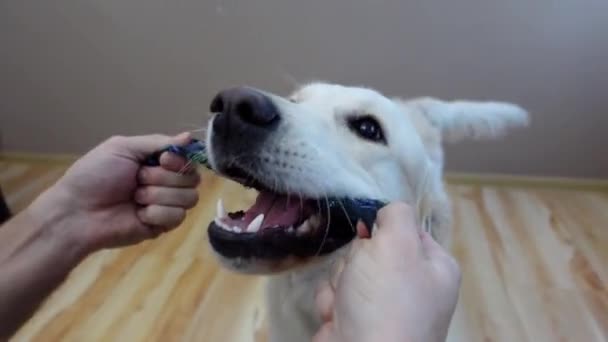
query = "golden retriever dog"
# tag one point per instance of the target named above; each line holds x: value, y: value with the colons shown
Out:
x: 328, y: 141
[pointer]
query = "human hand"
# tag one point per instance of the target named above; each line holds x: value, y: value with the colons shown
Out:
x: 399, y: 285
x: 109, y: 199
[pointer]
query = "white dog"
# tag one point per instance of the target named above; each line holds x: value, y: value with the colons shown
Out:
x: 328, y: 141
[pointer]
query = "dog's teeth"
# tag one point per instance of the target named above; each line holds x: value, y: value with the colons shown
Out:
x: 221, y: 212
x: 314, y: 221
x: 290, y: 230
x: 236, y: 229
x: 221, y: 224
x: 256, y: 224
x: 303, y: 229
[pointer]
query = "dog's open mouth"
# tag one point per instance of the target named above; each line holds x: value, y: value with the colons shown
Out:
x: 276, y: 225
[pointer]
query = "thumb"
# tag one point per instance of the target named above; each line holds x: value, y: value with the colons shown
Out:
x: 398, y: 220
x: 430, y: 247
x: 142, y: 146
x: 325, y: 334
x: 324, y: 301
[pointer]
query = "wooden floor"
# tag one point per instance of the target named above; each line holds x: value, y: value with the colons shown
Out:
x: 534, y: 261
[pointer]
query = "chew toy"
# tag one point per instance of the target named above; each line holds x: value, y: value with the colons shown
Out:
x: 346, y: 211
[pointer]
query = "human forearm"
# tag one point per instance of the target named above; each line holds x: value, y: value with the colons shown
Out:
x: 35, y: 258
x: 106, y: 199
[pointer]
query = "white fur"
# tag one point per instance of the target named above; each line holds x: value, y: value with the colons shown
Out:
x: 331, y: 160
x: 462, y: 119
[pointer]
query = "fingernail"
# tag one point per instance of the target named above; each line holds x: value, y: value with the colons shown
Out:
x: 362, y: 230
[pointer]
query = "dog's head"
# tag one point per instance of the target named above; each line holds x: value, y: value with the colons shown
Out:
x: 324, y: 141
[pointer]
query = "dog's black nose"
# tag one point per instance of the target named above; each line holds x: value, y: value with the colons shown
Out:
x: 243, y: 121
x: 247, y: 105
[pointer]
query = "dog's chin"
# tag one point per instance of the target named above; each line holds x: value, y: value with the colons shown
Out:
x: 278, y: 232
x: 255, y: 266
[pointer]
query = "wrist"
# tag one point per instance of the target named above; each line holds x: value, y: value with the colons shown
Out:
x: 59, y: 221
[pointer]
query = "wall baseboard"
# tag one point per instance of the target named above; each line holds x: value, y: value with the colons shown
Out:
x: 585, y: 184
x: 455, y: 178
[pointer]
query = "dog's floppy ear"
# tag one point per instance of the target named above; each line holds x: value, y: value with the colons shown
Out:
x: 461, y: 119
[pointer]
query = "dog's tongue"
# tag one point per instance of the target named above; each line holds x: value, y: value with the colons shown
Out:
x: 278, y: 210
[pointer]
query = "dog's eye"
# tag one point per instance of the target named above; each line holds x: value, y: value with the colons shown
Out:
x: 367, y: 128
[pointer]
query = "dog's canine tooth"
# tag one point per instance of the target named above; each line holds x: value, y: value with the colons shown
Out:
x: 221, y: 224
x: 221, y: 212
x: 290, y: 229
x: 303, y: 229
x: 256, y: 224
x: 314, y: 221
x: 237, y: 229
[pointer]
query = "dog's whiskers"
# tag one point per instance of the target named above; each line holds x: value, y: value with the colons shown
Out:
x: 301, y: 200
x: 326, y: 227
x: 287, y: 192
x: 195, y: 158
x: 423, y: 217
x: 352, y: 226
x: 275, y: 188
x: 185, y: 167
x: 289, y: 78
x: 188, y: 125
x: 288, y: 195
x: 328, y: 224
x: 194, y: 128
x: 201, y: 130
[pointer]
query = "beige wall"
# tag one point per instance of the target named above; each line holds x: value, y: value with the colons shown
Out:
x: 74, y: 72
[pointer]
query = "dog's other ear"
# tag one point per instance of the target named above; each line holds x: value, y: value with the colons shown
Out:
x: 461, y: 119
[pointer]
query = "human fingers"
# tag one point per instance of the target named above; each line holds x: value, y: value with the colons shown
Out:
x: 174, y: 197
x: 397, y: 214
x: 325, y: 334
x: 362, y: 231
x: 444, y: 263
x: 337, y: 269
x: 324, y: 301
x: 172, y: 162
x: 396, y: 224
x: 161, y: 216
x: 163, y: 177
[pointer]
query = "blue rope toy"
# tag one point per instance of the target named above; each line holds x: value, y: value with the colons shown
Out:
x: 343, y: 210
x: 195, y: 152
